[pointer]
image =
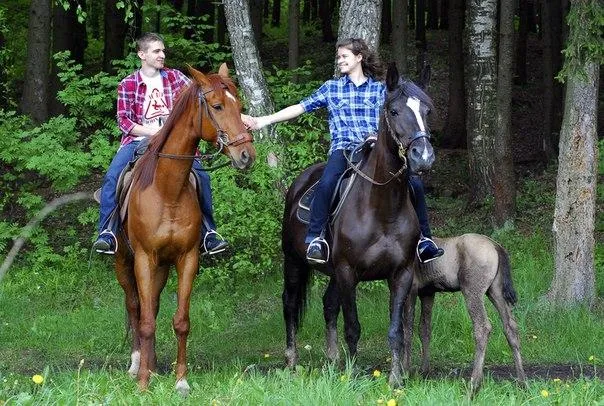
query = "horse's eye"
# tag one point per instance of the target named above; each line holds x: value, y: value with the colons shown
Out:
x: 217, y: 107
x: 393, y: 113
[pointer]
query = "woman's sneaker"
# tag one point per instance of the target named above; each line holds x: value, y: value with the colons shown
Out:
x: 317, y: 251
x: 213, y: 243
x: 427, y: 250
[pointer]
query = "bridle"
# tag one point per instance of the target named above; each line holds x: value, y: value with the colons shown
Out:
x: 402, y: 149
x: 222, y: 139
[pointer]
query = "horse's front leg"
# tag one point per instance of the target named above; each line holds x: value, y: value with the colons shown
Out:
x: 145, y: 270
x: 409, y: 313
x: 331, y: 309
x: 124, y: 273
x: 186, y: 269
x: 346, y: 284
x: 399, y: 288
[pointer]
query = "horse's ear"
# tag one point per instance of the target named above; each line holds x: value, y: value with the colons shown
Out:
x: 223, y: 70
x: 392, y: 76
x: 424, y: 77
x: 197, y: 75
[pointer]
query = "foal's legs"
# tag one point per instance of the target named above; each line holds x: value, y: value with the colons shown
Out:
x: 331, y: 309
x: 426, y: 330
x: 482, y: 329
x: 399, y: 289
x: 186, y: 268
x: 510, y: 329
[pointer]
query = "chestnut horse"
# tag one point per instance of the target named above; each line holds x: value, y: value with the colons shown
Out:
x: 375, y: 234
x: 164, y: 219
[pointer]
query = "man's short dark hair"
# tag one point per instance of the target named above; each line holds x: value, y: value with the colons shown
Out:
x: 144, y: 40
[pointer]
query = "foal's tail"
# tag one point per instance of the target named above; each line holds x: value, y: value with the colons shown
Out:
x: 509, y: 294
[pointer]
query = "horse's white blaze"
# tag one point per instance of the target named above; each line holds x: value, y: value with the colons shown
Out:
x: 414, y: 103
x: 230, y: 96
x: 135, y: 358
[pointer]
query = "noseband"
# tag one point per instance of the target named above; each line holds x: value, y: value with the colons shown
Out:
x: 222, y: 138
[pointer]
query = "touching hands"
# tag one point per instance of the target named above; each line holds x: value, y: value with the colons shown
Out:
x: 255, y: 123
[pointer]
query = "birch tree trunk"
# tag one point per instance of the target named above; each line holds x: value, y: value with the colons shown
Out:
x: 361, y: 19
x: 504, y: 185
x: 247, y: 61
x: 481, y: 89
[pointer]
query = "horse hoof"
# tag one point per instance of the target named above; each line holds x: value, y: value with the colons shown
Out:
x: 182, y: 387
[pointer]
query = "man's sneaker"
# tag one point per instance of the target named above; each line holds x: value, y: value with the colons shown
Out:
x: 106, y: 243
x: 213, y: 243
x: 427, y: 250
x: 315, y: 254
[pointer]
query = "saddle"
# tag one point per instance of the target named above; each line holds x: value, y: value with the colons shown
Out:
x: 345, y: 182
x: 124, y: 185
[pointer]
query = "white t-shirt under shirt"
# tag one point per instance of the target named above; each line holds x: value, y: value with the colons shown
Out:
x: 155, y: 109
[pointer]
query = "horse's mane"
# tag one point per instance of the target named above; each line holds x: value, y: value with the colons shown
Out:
x: 145, y: 168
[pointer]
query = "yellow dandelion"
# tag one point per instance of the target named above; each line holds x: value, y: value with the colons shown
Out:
x: 343, y: 378
x: 38, y: 379
x: 391, y: 402
x: 556, y: 379
x: 591, y: 358
x: 267, y: 355
x: 544, y: 393
x: 377, y: 373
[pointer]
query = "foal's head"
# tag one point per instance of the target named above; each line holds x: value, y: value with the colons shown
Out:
x: 405, y: 111
x: 220, y: 115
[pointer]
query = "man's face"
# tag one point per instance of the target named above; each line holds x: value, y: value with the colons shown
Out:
x: 347, y: 61
x: 154, y: 55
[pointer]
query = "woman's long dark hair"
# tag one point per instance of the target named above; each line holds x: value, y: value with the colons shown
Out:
x: 371, y: 63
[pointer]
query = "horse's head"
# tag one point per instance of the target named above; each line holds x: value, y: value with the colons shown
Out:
x: 220, y: 114
x: 405, y: 110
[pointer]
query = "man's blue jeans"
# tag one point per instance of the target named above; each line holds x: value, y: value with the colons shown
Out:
x: 108, y: 198
x: 320, y: 206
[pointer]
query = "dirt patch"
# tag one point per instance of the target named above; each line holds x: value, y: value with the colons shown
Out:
x: 564, y: 372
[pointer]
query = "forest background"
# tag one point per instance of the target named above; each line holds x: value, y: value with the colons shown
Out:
x: 58, y: 133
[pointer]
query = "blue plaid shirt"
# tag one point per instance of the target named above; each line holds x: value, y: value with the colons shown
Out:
x: 354, y: 111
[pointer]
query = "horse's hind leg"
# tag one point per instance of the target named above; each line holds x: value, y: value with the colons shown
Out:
x: 125, y: 277
x: 331, y: 309
x: 482, y: 329
x: 295, y: 277
x: 510, y: 329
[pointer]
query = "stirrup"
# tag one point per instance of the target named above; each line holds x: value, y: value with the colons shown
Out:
x: 205, y: 248
x: 319, y: 240
x: 436, y: 256
x: 112, y: 235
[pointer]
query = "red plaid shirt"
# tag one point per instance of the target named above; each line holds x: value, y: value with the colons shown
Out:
x: 131, y: 97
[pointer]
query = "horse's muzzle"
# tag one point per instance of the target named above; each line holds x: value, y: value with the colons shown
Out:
x: 421, y: 155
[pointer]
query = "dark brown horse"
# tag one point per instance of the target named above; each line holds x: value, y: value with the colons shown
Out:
x: 376, y: 232
x: 164, y: 218
x: 475, y: 265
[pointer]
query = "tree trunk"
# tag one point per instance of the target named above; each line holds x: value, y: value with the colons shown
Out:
x: 455, y: 127
x: 420, y: 35
x: 444, y: 15
x: 361, y: 19
x: 504, y: 185
x: 67, y: 35
x: 255, y: 7
x: 576, y: 185
x: 221, y: 25
x: 386, y: 21
x: 35, y: 89
x: 574, y: 216
x: 521, y: 41
x: 400, y: 35
x: 432, y: 15
x: 481, y: 95
x: 247, y: 60
x: 276, y: 21
x: 115, y: 33
x: 294, y: 34
x: 325, y: 14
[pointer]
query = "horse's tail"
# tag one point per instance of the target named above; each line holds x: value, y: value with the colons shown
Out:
x: 509, y: 293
